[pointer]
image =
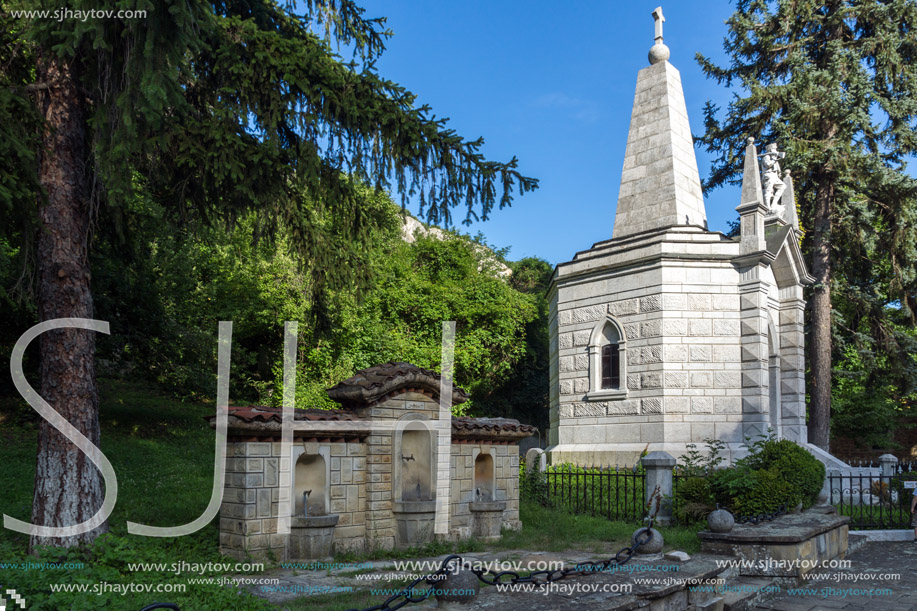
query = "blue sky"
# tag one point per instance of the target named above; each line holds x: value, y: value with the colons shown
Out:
x: 553, y: 84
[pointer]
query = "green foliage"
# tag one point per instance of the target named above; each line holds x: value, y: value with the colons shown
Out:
x: 533, y: 486
x: 791, y: 464
x: 755, y: 492
x: 774, y: 473
x: 696, y: 463
x: 872, y: 389
x: 165, y: 308
x: 524, y: 392
x: 614, y: 493
x: 835, y: 84
x: 106, y: 562
x: 225, y: 109
x: 694, y: 499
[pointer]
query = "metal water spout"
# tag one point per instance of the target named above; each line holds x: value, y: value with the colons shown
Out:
x: 305, y: 503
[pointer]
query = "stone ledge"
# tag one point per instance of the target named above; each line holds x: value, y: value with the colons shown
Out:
x: 791, y: 528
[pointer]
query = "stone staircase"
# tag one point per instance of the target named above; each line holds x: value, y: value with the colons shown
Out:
x: 748, y: 592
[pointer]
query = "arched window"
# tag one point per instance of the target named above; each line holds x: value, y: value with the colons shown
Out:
x: 611, y: 366
x: 607, y: 361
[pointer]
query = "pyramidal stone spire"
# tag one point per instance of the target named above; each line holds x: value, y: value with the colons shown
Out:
x: 660, y: 185
x: 752, y: 193
x: 789, y: 200
x: 752, y: 209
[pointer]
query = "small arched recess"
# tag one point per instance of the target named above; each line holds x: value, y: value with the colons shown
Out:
x: 607, y: 361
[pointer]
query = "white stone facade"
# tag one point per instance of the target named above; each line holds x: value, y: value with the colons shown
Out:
x: 709, y: 329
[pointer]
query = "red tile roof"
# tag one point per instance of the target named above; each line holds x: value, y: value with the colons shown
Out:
x: 259, y: 417
x: 492, y: 425
x: 369, y: 385
x: 260, y: 413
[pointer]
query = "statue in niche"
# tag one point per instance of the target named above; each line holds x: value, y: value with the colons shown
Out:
x: 773, y: 185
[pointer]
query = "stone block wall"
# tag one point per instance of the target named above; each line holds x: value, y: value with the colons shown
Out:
x: 700, y: 335
x: 683, y: 377
x: 257, y: 479
x: 506, y: 485
x: 248, y: 515
x: 373, y: 466
x: 381, y: 475
x: 347, y: 490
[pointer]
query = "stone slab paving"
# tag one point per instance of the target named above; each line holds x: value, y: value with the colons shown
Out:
x: 671, y: 597
x: 298, y: 583
x: 873, y: 558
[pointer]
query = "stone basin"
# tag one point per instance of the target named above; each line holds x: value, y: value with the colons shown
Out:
x: 311, y: 537
x: 487, y: 505
x: 414, y: 506
x: 324, y: 521
x: 487, y: 519
x: 413, y: 522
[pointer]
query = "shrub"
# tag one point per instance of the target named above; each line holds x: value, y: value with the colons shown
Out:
x: 767, y: 493
x: 804, y: 473
x: 694, y: 499
x: 533, y: 486
x: 775, y: 473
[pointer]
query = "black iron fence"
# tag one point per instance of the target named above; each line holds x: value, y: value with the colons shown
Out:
x: 873, y: 502
x: 616, y: 494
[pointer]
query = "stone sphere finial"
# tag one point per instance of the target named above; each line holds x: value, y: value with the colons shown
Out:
x: 786, y: 172
x: 659, y: 52
x: 750, y: 140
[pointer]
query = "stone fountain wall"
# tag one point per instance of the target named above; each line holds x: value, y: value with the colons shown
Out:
x: 251, y: 499
x: 368, y: 457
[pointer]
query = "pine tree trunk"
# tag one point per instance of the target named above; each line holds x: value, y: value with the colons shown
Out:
x: 820, y: 304
x: 68, y: 487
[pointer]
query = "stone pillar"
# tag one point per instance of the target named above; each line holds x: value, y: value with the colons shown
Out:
x: 752, y: 209
x: 754, y: 350
x: 248, y: 514
x: 659, y: 466
x: 889, y: 465
x: 792, y: 364
x: 380, y: 523
x: 535, y: 458
x: 553, y: 433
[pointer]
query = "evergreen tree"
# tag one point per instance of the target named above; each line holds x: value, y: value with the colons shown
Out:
x: 835, y: 83
x: 210, y: 110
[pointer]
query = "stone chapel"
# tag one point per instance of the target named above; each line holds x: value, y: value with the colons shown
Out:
x: 668, y: 333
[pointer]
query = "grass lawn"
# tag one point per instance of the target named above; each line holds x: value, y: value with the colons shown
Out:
x: 162, y: 452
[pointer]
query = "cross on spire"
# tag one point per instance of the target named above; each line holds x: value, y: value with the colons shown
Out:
x: 659, y: 19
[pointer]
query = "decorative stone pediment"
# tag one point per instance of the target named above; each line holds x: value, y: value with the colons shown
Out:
x: 788, y: 264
